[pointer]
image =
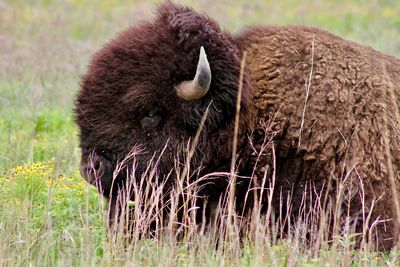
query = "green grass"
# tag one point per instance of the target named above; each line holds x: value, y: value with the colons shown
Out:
x: 48, y: 216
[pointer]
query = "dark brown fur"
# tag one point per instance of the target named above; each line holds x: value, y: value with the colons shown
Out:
x: 352, y: 90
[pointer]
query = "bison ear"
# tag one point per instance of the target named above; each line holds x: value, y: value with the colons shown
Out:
x: 199, y: 86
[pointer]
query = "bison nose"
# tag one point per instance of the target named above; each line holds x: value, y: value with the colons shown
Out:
x: 91, y: 168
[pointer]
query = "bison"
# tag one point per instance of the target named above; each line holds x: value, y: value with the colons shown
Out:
x: 329, y: 106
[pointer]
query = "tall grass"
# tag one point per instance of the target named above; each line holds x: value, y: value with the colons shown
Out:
x: 54, y: 224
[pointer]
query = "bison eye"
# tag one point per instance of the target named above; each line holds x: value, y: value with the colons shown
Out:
x: 150, y: 121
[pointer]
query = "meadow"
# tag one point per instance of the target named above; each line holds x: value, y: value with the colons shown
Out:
x: 49, y: 216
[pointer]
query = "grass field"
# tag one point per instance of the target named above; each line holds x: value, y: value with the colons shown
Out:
x: 48, y: 215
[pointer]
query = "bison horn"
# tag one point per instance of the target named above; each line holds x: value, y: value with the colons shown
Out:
x: 199, y: 86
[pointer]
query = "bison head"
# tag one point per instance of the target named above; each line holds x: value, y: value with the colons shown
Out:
x: 147, y: 91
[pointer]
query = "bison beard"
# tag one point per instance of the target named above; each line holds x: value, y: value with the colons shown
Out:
x: 329, y: 104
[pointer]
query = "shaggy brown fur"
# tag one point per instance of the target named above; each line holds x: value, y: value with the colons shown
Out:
x: 339, y: 129
x: 333, y: 104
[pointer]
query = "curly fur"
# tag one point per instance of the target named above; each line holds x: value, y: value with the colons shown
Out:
x: 352, y: 91
x: 347, y: 124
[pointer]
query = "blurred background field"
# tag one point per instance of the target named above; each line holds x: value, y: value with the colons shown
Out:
x: 45, y: 46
